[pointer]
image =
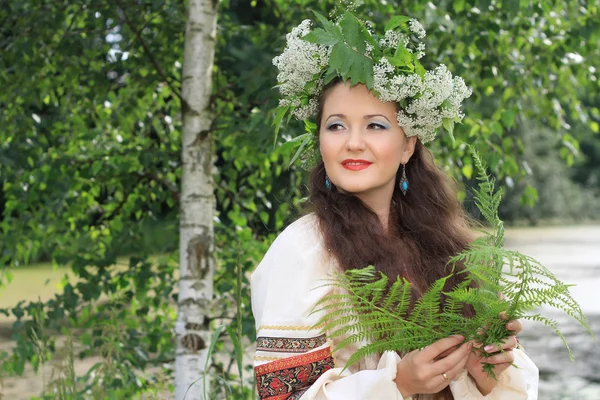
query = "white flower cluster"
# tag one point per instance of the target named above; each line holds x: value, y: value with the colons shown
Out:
x: 429, y: 100
x: 394, y: 87
x: 297, y: 65
x: 420, y: 51
x: 426, y: 102
x: 416, y: 28
x: 439, y: 97
x: 392, y: 38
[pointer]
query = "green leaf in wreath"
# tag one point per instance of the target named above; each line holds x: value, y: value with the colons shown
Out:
x: 403, y: 54
x: 419, y: 69
x: 341, y: 59
x: 306, y: 138
x: 327, y: 25
x: 281, y: 111
x: 396, y: 22
x: 321, y: 36
x: 449, y: 126
x: 353, y: 32
x: 330, y: 75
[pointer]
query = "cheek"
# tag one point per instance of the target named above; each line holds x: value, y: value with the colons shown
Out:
x: 390, y: 154
x: 328, y: 146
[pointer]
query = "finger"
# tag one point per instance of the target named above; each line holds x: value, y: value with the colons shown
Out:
x: 434, y: 350
x: 478, y: 346
x: 508, y: 344
x: 501, y: 358
x: 443, y: 379
x: 440, y: 382
x: 446, y: 364
x: 500, y: 368
x: 445, y: 353
x: 515, y: 326
x: 453, y: 372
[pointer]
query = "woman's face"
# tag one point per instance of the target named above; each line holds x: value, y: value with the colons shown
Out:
x: 361, y: 143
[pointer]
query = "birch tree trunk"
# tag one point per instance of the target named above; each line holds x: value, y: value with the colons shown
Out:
x: 197, y: 202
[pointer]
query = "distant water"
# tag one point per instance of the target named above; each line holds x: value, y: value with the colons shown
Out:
x: 573, y: 254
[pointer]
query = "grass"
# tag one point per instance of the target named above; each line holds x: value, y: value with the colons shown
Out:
x: 42, y: 281
x: 33, y: 282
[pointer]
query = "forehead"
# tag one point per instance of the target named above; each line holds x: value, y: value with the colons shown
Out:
x: 355, y: 101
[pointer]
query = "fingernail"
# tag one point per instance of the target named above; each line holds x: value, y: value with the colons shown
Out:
x: 470, y: 346
x: 510, y: 326
x: 489, y: 348
x: 460, y: 338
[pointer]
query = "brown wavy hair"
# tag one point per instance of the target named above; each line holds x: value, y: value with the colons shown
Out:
x: 427, y: 226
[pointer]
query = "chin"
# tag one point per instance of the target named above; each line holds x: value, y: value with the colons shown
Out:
x: 356, y: 188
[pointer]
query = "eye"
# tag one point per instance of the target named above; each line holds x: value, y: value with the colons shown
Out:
x: 336, y: 126
x: 377, y: 126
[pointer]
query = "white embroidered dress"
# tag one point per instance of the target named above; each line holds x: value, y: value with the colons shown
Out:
x: 293, y: 361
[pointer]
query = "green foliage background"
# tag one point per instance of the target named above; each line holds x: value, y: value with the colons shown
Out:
x: 90, y: 134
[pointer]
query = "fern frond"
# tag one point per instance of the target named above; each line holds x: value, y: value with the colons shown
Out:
x: 428, y: 306
x: 554, y: 325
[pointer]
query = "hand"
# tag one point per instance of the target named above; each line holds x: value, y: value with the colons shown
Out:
x: 500, y: 360
x: 422, y: 371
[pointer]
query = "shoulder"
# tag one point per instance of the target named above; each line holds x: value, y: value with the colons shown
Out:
x: 303, y: 231
x: 297, y: 245
x: 301, y: 239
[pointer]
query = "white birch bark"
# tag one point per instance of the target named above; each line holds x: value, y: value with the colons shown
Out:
x: 197, y: 202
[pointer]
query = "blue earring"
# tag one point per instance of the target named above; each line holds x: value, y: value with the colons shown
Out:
x: 403, y: 181
x: 327, y: 182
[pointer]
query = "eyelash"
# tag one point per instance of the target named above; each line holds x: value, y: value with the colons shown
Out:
x: 379, y: 126
x: 375, y: 124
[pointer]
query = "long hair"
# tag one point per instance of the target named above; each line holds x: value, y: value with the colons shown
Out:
x: 426, y: 226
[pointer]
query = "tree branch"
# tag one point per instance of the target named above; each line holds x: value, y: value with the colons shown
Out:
x: 165, y: 183
x: 153, y: 60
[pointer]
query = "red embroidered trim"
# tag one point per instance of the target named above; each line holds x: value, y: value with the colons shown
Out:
x: 285, y: 378
x: 291, y: 362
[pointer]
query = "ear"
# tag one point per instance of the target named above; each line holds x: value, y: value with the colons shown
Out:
x: 409, y: 149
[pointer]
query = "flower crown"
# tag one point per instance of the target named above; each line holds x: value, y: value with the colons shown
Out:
x: 388, y: 65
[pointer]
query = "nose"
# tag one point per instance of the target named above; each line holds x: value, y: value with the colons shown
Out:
x: 356, y: 140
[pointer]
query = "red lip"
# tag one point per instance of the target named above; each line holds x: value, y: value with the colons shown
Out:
x: 356, y: 165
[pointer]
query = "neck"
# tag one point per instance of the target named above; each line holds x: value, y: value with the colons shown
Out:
x: 379, y: 202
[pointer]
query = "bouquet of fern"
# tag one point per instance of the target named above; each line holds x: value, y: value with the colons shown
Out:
x: 370, y: 309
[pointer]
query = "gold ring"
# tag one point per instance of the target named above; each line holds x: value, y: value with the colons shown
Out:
x: 445, y: 377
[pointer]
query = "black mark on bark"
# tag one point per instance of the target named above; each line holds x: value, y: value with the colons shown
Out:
x: 198, y: 253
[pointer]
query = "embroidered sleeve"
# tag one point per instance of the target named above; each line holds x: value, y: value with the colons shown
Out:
x: 290, y: 377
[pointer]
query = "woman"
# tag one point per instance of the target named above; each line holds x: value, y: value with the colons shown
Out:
x: 377, y: 199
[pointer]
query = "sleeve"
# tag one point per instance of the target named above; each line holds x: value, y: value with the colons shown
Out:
x: 519, y: 382
x: 294, y: 360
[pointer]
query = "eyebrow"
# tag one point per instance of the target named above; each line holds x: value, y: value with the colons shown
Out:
x: 369, y: 116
